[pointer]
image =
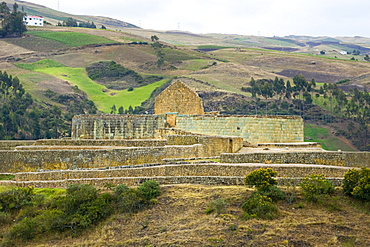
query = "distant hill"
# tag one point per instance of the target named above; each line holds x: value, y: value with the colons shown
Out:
x: 53, y: 16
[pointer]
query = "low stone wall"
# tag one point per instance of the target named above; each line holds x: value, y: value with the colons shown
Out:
x: 211, y: 145
x: 354, y: 159
x: 136, y: 181
x: 10, y: 145
x: 291, y: 145
x: 188, y: 170
x: 102, y: 142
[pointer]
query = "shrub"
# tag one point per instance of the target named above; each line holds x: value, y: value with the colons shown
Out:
x: 350, y: 181
x: 260, y: 206
x: 261, y: 178
x: 217, y: 206
x: 16, y: 198
x: 273, y: 192
x: 120, y: 189
x: 362, y: 189
x: 150, y: 189
x: 314, y: 186
x: 131, y: 201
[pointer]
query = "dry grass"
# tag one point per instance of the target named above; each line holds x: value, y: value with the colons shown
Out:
x: 179, y: 219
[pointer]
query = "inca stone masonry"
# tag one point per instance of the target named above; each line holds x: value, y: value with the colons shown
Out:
x: 179, y: 129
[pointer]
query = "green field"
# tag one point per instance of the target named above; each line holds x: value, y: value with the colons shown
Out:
x: 322, y: 135
x: 103, y: 98
x: 72, y: 39
x: 42, y: 64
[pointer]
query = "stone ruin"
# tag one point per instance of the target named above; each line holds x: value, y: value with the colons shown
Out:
x: 105, y: 148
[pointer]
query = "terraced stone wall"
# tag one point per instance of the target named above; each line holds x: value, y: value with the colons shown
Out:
x: 355, y: 159
x: 254, y: 129
x: 102, y: 142
x: 188, y: 170
x: 116, y: 126
x: 33, y: 160
x: 10, y: 145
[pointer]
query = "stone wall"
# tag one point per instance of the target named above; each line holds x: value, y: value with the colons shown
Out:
x: 254, y: 129
x: 188, y: 170
x: 179, y: 98
x: 101, y: 142
x: 116, y: 126
x: 136, y: 181
x: 211, y: 145
x: 10, y: 145
x: 354, y: 159
x: 50, y: 157
x: 33, y: 160
x: 209, y: 174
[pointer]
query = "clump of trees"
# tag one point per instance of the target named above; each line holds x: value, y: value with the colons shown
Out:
x: 12, y: 22
x: 111, y: 71
x: 21, y: 117
x: 299, y: 96
x: 70, y: 22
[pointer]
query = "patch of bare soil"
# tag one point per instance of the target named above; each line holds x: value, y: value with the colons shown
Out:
x: 57, y: 85
x: 8, y: 49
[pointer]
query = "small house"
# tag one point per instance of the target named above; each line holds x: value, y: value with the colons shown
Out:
x: 36, y: 21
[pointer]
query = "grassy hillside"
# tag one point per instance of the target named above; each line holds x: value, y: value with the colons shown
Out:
x: 179, y: 218
x: 54, y: 16
x: 315, y: 133
x: 103, y: 98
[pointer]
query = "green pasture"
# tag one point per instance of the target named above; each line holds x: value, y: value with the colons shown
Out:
x: 71, y: 39
x: 195, y: 64
x: 42, y: 64
x: 103, y: 98
x: 322, y: 135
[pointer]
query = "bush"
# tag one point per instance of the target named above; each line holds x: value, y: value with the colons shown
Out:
x: 16, y: 198
x: 273, y: 192
x: 217, y: 206
x: 357, y: 183
x: 150, y: 189
x: 120, y: 189
x: 260, y: 206
x: 350, y: 181
x: 131, y: 201
x: 261, y: 178
x: 314, y: 186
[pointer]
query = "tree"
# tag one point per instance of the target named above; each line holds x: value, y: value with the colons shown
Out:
x: 70, y: 22
x: 158, y: 49
x: 12, y: 23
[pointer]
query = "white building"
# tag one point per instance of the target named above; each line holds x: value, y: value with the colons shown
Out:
x: 343, y: 53
x: 36, y: 20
